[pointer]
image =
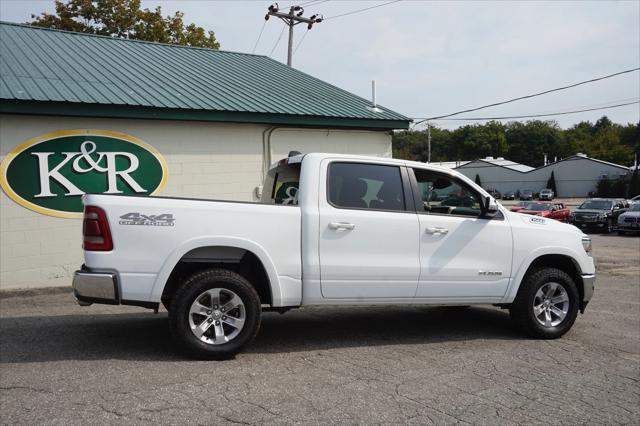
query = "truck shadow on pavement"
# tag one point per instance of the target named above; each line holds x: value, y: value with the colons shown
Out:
x: 145, y: 337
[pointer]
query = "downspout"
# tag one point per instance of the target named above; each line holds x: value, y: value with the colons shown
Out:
x: 266, y: 157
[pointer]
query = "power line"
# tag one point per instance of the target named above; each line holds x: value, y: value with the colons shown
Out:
x: 361, y: 10
x: 531, y: 115
x: 300, y: 42
x: 278, y: 41
x: 259, y: 37
x: 531, y: 96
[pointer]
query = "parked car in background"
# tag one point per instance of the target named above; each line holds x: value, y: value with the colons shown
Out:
x: 521, y: 205
x: 598, y: 213
x: 509, y: 195
x: 546, y: 194
x: 494, y: 193
x: 629, y: 221
x: 526, y: 194
x: 556, y: 211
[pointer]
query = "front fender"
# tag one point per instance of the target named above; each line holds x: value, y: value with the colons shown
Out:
x: 241, y: 243
x: 578, y: 258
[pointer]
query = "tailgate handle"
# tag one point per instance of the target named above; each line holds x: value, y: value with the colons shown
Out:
x: 338, y: 226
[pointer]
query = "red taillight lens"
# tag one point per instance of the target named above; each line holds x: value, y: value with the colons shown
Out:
x: 95, y: 230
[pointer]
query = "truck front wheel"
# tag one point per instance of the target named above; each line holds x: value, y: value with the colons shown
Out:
x: 214, y: 314
x: 547, y: 304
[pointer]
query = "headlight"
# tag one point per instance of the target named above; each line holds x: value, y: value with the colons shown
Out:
x: 586, y: 244
x: 602, y: 216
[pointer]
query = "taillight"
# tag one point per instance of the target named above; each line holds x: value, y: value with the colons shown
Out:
x: 95, y: 230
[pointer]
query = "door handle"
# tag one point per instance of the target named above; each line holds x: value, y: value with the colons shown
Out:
x: 341, y: 226
x: 437, y: 230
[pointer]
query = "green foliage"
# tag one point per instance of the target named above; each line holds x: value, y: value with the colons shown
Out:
x: 478, y: 180
x: 611, y: 188
x: 551, y: 184
x: 603, y: 188
x: 124, y: 19
x: 523, y: 142
x: 634, y: 184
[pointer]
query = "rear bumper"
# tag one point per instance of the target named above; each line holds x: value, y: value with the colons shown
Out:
x: 96, y: 287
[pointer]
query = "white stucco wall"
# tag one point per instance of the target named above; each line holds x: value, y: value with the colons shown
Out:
x: 205, y: 160
x: 575, y: 177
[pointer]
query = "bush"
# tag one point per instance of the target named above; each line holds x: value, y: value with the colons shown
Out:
x: 634, y: 184
x: 603, y: 188
x: 478, y: 180
x: 551, y: 184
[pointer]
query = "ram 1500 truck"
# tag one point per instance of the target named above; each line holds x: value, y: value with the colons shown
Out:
x: 331, y: 230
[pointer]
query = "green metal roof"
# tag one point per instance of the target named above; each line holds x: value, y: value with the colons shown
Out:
x: 47, y: 71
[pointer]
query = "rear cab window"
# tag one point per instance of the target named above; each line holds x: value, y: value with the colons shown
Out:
x: 281, y: 185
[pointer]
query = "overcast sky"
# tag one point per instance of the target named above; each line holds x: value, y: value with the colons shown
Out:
x: 432, y: 58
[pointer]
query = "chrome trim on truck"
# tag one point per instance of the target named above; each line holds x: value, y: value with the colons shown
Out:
x: 589, y: 283
x: 95, y: 287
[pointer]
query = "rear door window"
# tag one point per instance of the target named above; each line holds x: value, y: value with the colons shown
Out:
x: 365, y: 186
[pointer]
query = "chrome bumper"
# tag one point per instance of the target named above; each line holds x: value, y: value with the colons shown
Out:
x: 589, y: 284
x: 95, y: 287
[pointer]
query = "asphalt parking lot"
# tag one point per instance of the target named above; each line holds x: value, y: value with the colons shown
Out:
x: 63, y: 364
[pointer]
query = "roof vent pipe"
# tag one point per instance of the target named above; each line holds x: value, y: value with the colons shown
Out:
x: 374, y: 103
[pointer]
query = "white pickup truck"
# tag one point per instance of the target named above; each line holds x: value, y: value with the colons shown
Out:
x: 331, y: 229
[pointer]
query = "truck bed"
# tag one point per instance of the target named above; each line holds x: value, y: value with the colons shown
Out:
x: 151, y: 234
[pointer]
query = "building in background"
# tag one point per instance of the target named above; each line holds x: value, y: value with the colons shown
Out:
x: 84, y: 113
x: 575, y: 176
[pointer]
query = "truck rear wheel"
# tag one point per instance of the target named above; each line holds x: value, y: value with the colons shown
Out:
x: 214, y: 314
x: 547, y: 304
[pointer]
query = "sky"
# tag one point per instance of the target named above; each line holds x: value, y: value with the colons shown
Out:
x: 432, y: 58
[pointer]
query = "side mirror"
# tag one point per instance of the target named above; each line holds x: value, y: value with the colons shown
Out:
x: 490, y: 207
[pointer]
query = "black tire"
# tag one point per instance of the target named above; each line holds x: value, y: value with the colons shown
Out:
x: 193, y: 288
x: 522, y: 312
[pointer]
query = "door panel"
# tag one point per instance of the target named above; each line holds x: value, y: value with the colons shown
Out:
x: 368, y: 240
x: 466, y: 261
x: 462, y: 255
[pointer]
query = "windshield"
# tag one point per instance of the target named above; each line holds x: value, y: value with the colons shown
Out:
x: 596, y: 205
x: 546, y: 191
x: 526, y: 192
x: 539, y: 207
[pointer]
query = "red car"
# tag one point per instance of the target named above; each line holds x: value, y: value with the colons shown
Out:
x: 521, y: 206
x: 555, y: 211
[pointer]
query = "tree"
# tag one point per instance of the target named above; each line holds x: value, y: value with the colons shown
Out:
x: 478, y: 180
x: 603, y: 187
x: 124, y: 19
x: 634, y: 184
x: 551, y: 184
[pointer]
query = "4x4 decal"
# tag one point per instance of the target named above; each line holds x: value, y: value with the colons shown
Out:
x: 165, y: 219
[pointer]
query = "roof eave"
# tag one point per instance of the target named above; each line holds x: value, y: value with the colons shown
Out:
x: 14, y: 106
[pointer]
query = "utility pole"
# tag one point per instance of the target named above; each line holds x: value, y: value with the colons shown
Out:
x: 428, y: 142
x: 294, y: 17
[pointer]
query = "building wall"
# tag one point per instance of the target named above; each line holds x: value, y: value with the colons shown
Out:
x: 205, y: 160
x: 575, y: 177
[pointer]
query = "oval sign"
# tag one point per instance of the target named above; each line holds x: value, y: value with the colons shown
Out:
x: 50, y: 173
